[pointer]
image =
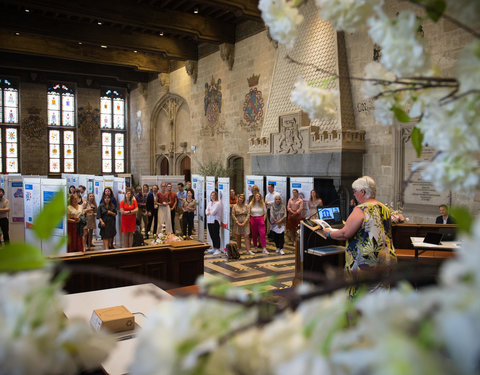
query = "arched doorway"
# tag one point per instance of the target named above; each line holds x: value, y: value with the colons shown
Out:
x: 235, y: 162
x: 185, y: 168
x: 162, y: 166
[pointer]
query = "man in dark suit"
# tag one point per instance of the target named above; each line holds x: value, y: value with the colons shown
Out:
x: 152, y: 210
x: 444, y: 218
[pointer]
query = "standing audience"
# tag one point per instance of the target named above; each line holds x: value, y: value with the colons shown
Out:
x: 181, y: 196
x: 172, y: 203
x: 164, y: 217
x: 313, y: 203
x: 74, y: 227
x: 90, y: 209
x: 152, y: 210
x: 278, y: 216
x: 188, y: 207
x: 4, y: 210
x: 142, y: 214
x: 128, y: 209
x: 214, y: 212
x: 295, y: 209
x: 269, y: 200
x: 241, y: 223
x: 258, y: 213
x: 106, y: 214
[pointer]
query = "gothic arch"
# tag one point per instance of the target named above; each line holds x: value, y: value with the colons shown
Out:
x: 169, y: 104
x: 236, y: 162
x: 162, y: 165
x: 184, y: 166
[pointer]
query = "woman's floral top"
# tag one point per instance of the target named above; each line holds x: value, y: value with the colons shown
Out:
x: 372, y: 244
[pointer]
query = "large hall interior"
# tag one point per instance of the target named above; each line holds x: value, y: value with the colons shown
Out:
x: 372, y: 106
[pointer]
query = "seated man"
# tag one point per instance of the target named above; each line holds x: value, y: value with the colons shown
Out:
x: 444, y: 218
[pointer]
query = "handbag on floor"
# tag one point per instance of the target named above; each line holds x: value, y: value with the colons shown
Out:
x: 232, y: 251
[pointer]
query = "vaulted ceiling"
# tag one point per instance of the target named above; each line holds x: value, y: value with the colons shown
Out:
x: 125, y: 40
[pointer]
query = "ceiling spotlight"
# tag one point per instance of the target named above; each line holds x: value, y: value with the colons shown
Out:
x: 17, y: 34
x: 135, y: 51
x: 27, y: 10
x: 160, y: 33
x: 80, y: 43
x: 99, y: 23
x: 103, y: 46
x: 195, y: 10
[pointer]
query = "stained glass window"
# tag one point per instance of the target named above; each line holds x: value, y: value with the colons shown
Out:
x: 112, y: 123
x: 62, y: 124
x: 9, y: 126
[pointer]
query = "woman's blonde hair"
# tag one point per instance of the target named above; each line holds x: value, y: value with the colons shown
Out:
x: 254, y: 201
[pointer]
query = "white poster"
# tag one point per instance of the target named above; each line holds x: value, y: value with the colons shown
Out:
x: 224, y: 198
x: 119, y: 186
x: 304, y: 185
x: 49, y: 188
x: 253, y: 180
x: 280, y: 186
x: 87, y: 181
x: 15, y: 196
x: 198, y: 186
x: 108, y: 182
x: 72, y: 179
x: 149, y: 180
x: 32, y: 206
x: 210, y: 186
x: 174, y: 180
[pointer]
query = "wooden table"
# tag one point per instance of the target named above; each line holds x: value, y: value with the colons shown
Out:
x: 136, y: 298
x: 418, y: 245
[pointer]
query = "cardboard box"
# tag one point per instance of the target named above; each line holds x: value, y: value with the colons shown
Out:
x: 113, y: 319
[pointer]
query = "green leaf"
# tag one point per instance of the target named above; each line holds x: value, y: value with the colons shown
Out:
x: 49, y: 218
x: 463, y: 218
x: 20, y: 256
x: 417, y: 139
x: 435, y: 9
x: 400, y: 114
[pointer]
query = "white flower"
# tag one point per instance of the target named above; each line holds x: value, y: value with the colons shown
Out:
x: 402, y: 50
x: 316, y: 102
x: 468, y: 66
x: 347, y: 15
x: 457, y: 173
x: 282, y: 20
x: 384, y: 109
x: 375, y: 72
x: 35, y: 337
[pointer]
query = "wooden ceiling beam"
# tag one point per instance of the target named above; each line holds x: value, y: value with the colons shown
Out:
x: 92, y: 54
x: 246, y: 8
x: 139, y: 15
x: 15, y: 61
x: 99, y: 35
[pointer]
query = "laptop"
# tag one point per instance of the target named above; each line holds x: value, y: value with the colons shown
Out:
x: 433, y: 238
x: 330, y: 214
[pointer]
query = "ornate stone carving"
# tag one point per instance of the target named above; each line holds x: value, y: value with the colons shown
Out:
x: 252, y: 106
x: 290, y: 140
x: 191, y: 67
x: 33, y: 127
x: 165, y: 80
x: 259, y: 145
x: 139, y: 128
x: 227, y: 53
x: 88, y: 123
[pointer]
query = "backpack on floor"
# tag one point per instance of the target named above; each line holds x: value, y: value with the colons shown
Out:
x: 232, y: 251
x: 138, y: 239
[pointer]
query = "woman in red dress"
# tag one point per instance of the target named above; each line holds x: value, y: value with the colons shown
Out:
x: 128, y: 209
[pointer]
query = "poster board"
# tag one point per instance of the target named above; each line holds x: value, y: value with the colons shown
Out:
x: 119, y: 187
x: 72, y: 179
x: 224, y: 198
x: 253, y: 180
x: 149, y: 180
x: 87, y: 181
x: 32, y: 207
x: 48, y: 190
x: 198, y: 186
x: 209, y: 187
x: 280, y: 184
x: 15, y: 195
x: 304, y: 185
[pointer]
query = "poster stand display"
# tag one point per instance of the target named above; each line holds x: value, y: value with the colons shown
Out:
x: 87, y: 181
x: 249, y: 182
x: 280, y: 184
x: 198, y: 186
x: 304, y: 185
x: 48, y: 189
x: 119, y: 187
x: 32, y: 207
x: 157, y: 180
x: 14, y: 192
x: 210, y: 186
x: 224, y: 198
